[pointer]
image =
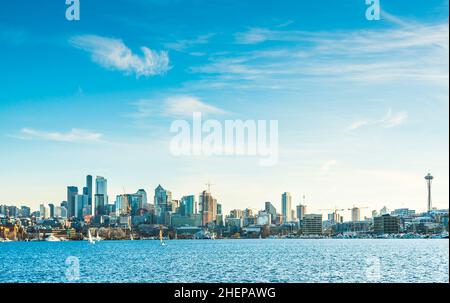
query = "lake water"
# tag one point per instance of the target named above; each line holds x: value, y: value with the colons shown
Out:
x: 289, y: 260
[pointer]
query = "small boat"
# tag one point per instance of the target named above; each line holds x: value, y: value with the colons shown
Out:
x: 97, y: 238
x: 161, y: 238
x: 91, y: 241
x: 52, y: 238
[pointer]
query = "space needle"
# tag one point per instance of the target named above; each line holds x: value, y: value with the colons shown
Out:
x: 429, y: 178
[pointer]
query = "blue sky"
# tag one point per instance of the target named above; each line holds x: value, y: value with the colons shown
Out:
x: 362, y: 105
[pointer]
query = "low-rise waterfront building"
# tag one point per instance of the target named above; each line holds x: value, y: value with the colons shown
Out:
x: 312, y: 224
x: 386, y: 224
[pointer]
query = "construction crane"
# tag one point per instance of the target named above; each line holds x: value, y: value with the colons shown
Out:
x: 360, y: 207
x: 356, y: 212
x: 335, y: 210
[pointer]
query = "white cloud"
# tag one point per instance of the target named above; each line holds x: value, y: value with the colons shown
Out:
x: 393, y: 119
x: 186, y: 105
x: 180, y: 106
x: 181, y: 45
x: 260, y: 35
x: 401, y: 54
x: 328, y: 165
x: 389, y: 120
x: 74, y: 135
x: 114, y: 54
x: 358, y: 124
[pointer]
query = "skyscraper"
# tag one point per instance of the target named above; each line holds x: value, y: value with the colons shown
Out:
x: 286, y: 207
x: 51, y: 207
x: 44, y: 211
x: 123, y: 205
x: 81, y: 206
x: 208, y: 207
x: 72, y: 191
x: 143, y: 193
x: 89, y: 189
x: 270, y: 209
x: 301, y: 211
x: 138, y: 202
x: 356, y: 214
x: 101, y: 187
x: 26, y: 211
x: 163, y: 204
x: 99, y: 205
x: 188, y: 206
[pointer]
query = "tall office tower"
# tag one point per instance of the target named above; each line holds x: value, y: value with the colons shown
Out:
x: 137, y: 203
x: 293, y: 215
x: 429, y: 179
x: 63, y: 212
x: 301, y: 211
x: 219, y: 209
x: 162, y: 196
x: 286, y: 207
x: 81, y: 206
x: 57, y: 212
x: 89, y: 189
x: 72, y: 191
x: 42, y: 211
x: 99, y: 205
x: 123, y: 205
x: 51, y: 207
x: 163, y: 204
x: 208, y: 208
x: 356, y: 214
x: 188, y: 206
x: 143, y: 194
x: 101, y: 187
x: 248, y: 216
x: 270, y: 209
x: 26, y: 211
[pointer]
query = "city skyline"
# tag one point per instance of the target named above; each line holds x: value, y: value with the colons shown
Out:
x: 281, y: 207
x: 362, y: 106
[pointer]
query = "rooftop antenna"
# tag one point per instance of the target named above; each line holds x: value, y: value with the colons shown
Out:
x: 209, y: 184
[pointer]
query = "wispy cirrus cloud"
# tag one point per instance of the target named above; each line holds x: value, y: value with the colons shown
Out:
x: 328, y: 165
x: 177, y: 106
x: 389, y: 120
x: 397, y: 54
x: 184, y: 44
x: 74, y: 135
x: 115, y: 55
x: 182, y: 106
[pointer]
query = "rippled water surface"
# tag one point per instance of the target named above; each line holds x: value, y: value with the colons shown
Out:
x: 228, y: 261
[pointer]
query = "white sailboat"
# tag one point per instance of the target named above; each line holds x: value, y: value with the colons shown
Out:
x: 91, y: 241
x: 161, y: 239
x: 97, y: 237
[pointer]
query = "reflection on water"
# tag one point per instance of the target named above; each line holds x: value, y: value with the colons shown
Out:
x: 227, y: 261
